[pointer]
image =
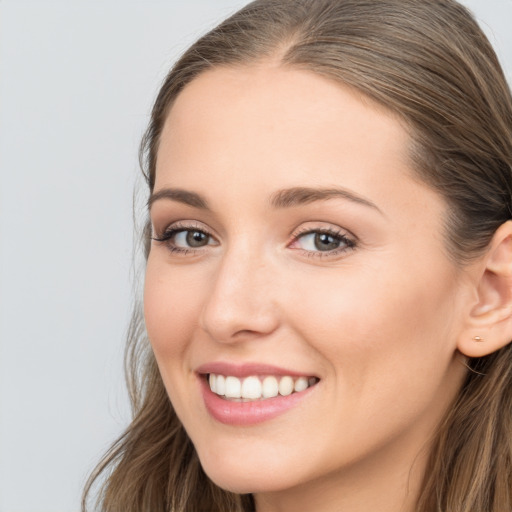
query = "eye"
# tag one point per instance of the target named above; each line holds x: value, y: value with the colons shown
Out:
x: 320, y: 242
x: 184, y: 239
x: 326, y: 241
x: 190, y: 238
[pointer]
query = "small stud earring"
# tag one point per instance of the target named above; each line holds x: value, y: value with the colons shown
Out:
x: 477, y: 338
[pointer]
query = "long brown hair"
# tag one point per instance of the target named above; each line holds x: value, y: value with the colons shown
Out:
x: 429, y: 63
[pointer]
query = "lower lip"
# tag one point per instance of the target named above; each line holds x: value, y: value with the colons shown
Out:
x: 248, y: 413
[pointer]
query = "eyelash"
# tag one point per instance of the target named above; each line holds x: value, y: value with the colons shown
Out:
x: 169, y: 233
x: 347, y: 243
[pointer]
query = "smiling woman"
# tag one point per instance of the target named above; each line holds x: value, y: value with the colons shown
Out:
x: 328, y: 293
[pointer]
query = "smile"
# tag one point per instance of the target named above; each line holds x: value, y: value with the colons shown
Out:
x: 254, y: 387
x: 251, y: 393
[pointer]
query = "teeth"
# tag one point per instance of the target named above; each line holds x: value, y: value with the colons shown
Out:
x: 233, y: 387
x: 255, y: 388
x: 251, y: 388
x: 220, y: 385
x: 270, y: 387
x: 301, y: 384
x: 212, y: 379
x: 286, y: 386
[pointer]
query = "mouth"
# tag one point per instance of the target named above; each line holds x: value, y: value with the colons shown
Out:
x: 257, y: 387
x: 247, y: 394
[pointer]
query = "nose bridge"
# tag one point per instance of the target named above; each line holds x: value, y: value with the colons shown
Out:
x: 241, y: 299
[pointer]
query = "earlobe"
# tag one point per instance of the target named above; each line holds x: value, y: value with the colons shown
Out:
x: 489, y: 323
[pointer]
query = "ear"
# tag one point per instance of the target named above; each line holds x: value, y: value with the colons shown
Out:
x: 489, y: 323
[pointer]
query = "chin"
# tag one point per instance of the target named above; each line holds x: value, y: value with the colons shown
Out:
x: 244, y: 478
x: 245, y: 485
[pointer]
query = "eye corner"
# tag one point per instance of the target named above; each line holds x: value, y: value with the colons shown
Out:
x: 184, y: 238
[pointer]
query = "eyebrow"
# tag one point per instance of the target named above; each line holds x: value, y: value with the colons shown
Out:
x: 304, y: 195
x: 182, y: 196
x: 287, y: 198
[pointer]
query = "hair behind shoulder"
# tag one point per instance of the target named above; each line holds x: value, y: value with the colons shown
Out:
x: 429, y: 63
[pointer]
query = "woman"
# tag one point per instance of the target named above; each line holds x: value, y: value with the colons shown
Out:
x: 328, y: 294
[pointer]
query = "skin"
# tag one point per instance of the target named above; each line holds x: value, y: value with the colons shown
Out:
x: 378, y: 323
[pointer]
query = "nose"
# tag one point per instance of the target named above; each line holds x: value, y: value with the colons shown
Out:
x: 241, y: 304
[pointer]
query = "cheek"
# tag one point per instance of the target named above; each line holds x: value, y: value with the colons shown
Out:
x: 171, y: 305
x: 380, y: 329
x: 379, y: 298
x: 390, y: 360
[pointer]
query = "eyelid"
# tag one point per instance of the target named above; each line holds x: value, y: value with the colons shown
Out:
x: 330, y: 229
x: 182, y: 225
x: 349, y: 240
x: 168, y: 233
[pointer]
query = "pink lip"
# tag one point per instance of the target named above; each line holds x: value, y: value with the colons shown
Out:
x: 247, y: 413
x: 246, y: 369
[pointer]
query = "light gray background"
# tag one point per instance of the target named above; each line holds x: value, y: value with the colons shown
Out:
x: 77, y: 79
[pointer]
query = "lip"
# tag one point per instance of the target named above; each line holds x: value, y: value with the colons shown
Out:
x: 247, y: 369
x: 253, y: 412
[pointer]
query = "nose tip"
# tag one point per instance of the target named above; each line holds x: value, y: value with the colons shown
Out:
x: 226, y: 324
x: 240, y: 305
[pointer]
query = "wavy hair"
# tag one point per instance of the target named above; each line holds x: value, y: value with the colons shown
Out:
x: 429, y: 63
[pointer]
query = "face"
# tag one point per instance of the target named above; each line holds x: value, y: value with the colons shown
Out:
x: 298, y: 258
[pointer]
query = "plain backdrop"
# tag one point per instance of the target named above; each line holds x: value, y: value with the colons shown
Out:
x: 77, y: 79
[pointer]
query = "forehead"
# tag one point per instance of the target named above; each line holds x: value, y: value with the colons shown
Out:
x: 265, y: 101
x: 265, y: 127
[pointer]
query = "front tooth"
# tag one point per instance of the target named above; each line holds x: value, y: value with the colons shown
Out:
x: 270, y: 387
x: 251, y: 388
x: 220, y: 385
x: 301, y: 384
x: 212, y: 380
x: 233, y: 387
x: 286, y: 386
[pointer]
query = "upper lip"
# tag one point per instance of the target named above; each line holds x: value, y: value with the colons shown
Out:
x: 247, y: 369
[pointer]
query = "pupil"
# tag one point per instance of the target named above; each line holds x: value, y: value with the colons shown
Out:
x: 196, y: 239
x: 325, y: 242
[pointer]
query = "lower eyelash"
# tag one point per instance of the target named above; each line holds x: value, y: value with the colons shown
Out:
x: 167, y: 236
x: 180, y: 250
x: 349, y: 244
x: 327, y: 254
